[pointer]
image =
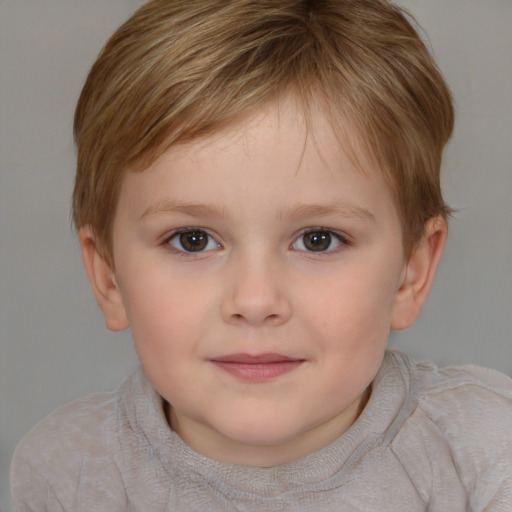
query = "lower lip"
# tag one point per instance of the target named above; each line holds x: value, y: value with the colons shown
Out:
x: 258, y: 372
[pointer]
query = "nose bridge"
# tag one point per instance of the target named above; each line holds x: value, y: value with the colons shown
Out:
x: 256, y: 294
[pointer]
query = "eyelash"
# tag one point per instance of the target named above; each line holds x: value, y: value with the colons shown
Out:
x: 183, y: 252
x: 341, y: 238
x: 334, y: 235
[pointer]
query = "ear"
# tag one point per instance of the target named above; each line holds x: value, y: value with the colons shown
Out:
x: 419, y: 274
x: 103, y: 281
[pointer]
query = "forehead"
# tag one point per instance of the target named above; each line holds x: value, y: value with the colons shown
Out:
x: 280, y: 152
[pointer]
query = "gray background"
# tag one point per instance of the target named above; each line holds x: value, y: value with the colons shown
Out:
x: 54, y: 347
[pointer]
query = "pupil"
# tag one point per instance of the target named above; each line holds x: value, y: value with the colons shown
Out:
x: 318, y: 241
x: 194, y: 240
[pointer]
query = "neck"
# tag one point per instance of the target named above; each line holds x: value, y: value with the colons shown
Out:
x: 219, y: 447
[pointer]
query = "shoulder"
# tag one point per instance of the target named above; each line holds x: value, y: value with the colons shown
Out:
x: 49, y: 462
x: 460, y: 421
x: 73, y: 425
x: 464, y: 392
x: 460, y: 403
x: 475, y: 398
x: 463, y: 402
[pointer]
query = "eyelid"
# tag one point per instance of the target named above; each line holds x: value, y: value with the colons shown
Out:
x: 188, y: 229
x: 342, y: 237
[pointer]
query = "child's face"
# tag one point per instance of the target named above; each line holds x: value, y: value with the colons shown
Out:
x: 260, y: 280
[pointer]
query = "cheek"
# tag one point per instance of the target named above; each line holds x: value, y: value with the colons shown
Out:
x: 352, y: 324
x: 354, y: 309
x: 164, y: 311
x: 166, y: 335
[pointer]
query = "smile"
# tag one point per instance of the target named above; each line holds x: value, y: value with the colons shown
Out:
x: 257, y: 368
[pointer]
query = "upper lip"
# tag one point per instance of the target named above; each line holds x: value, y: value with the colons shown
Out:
x: 254, y: 359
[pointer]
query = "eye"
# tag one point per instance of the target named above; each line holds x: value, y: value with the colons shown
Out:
x: 192, y: 240
x: 319, y: 240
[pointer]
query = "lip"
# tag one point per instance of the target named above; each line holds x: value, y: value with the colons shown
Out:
x: 257, y: 368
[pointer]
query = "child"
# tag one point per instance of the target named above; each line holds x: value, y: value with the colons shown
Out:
x: 257, y: 198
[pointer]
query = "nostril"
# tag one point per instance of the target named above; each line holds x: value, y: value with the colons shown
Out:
x: 268, y: 318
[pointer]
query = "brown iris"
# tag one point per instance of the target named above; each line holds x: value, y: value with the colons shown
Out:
x: 317, y: 240
x: 193, y: 241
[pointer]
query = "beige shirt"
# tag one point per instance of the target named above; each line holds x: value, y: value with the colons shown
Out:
x: 428, y: 440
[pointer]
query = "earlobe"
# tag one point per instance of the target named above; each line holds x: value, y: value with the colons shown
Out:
x: 419, y: 274
x: 103, y: 282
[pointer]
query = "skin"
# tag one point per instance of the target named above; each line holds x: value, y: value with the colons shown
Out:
x: 256, y: 287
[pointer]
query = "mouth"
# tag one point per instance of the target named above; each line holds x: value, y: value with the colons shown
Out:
x: 257, y: 368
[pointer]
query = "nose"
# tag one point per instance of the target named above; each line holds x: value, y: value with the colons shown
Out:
x: 256, y: 295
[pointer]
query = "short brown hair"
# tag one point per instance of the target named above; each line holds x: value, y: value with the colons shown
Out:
x: 182, y: 69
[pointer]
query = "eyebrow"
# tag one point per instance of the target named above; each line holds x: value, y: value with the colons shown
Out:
x: 329, y: 210
x: 192, y: 209
x: 298, y: 212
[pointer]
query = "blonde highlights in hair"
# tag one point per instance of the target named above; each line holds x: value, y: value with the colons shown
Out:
x: 182, y: 69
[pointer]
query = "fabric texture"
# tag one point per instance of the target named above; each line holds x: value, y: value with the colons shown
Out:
x: 429, y: 439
